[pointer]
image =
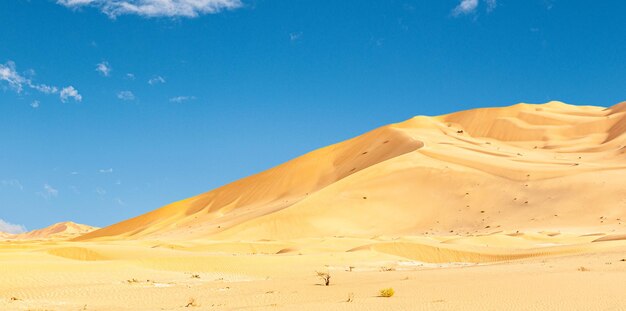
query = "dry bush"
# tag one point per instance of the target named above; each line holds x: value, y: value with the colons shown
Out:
x: 191, y: 303
x: 387, y: 292
x: 583, y: 269
x: 350, y: 297
x: 325, y: 277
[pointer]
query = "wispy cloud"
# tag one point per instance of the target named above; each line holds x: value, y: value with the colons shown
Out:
x: 104, y: 68
x: 130, y: 76
x: 14, y: 183
x: 156, y: 80
x: 155, y: 8
x: 295, y: 36
x: 48, y: 192
x: 465, y: 7
x: 181, y: 99
x: 100, y: 191
x: 70, y: 92
x: 18, y: 82
x: 126, y: 95
x: 106, y: 171
x: 35, y: 104
x: 8, y: 227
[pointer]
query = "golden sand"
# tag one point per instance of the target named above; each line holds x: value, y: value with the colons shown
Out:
x: 520, y: 207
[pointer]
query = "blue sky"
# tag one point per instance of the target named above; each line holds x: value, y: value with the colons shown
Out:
x: 112, y: 108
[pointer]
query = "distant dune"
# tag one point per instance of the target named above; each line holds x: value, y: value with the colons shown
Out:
x: 513, y: 168
x: 59, y: 231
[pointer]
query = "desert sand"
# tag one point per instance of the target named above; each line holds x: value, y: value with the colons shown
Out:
x: 513, y: 208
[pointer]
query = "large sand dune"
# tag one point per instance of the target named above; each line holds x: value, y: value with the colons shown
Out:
x: 513, y: 168
x: 514, y: 208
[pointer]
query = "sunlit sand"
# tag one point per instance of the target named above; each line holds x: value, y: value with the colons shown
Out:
x: 521, y: 207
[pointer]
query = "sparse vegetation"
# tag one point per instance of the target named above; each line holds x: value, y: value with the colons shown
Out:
x: 583, y: 269
x: 387, y: 269
x: 387, y: 292
x: 191, y: 303
x: 350, y: 297
x: 133, y: 280
x: 325, y: 277
x: 195, y: 276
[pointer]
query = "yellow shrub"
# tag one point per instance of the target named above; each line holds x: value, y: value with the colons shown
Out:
x: 387, y: 292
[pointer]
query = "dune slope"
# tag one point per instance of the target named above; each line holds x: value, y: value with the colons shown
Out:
x: 513, y: 168
x: 59, y: 231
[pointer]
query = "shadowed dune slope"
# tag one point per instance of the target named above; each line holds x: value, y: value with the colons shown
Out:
x: 512, y: 168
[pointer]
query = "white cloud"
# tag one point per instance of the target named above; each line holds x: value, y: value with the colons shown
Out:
x: 465, y: 7
x: 126, y: 95
x: 48, y: 192
x: 294, y: 36
x: 156, y: 8
x: 70, y: 92
x: 101, y: 191
x: 106, y: 171
x: 35, y: 104
x: 7, y: 227
x: 180, y: 99
x: 10, y: 76
x: 156, y: 80
x: 469, y: 6
x: 130, y: 76
x: 104, y: 68
x: 17, y: 81
x: 11, y: 183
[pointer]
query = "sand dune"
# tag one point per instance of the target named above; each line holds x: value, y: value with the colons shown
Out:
x: 511, y: 208
x: 59, y: 231
x: 512, y: 168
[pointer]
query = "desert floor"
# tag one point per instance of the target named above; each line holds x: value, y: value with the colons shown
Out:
x: 496, y: 271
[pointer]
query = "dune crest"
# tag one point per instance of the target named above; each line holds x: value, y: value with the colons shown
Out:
x: 470, y: 172
x: 59, y: 231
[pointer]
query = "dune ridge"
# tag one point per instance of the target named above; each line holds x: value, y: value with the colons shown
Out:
x: 58, y: 231
x: 441, y: 209
x: 508, y: 168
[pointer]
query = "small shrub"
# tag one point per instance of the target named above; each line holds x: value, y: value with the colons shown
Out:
x: 191, y: 303
x: 387, y: 292
x: 325, y: 277
x: 350, y: 297
x: 583, y: 269
x: 195, y: 276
